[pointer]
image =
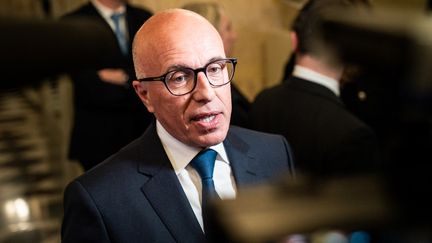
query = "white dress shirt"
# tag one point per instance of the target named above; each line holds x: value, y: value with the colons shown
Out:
x: 315, y: 77
x: 180, y: 155
x: 107, y: 13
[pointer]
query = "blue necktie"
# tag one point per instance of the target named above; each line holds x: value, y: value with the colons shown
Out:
x: 204, y: 163
x: 121, y: 38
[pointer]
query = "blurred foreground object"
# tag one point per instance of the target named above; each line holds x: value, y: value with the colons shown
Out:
x: 275, y: 212
x: 34, y: 119
x: 32, y: 49
x: 394, y: 48
x: 386, y: 42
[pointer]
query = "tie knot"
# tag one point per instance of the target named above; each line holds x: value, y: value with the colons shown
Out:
x: 119, y: 33
x: 116, y: 16
x: 204, y: 163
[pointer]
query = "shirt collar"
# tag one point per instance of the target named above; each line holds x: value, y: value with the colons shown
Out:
x: 107, y: 12
x: 181, y: 154
x: 310, y: 75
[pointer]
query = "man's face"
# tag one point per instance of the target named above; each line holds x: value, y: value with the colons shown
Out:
x: 200, y: 118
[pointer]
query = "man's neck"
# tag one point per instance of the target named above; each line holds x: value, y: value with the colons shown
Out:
x: 320, y: 66
x: 112, y: 4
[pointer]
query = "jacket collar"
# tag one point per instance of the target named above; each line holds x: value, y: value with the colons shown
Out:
x: 162, y: 184
x: 305, y: 85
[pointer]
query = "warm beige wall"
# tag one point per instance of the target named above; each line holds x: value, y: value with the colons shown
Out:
x: 21, y: 8
x: 405, y: 3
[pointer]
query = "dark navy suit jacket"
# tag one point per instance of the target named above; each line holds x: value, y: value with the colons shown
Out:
x: 327, y: 139
x: 135, y: 196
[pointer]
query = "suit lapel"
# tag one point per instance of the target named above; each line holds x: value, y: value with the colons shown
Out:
x: 164, y: 192
x: 132, y: 24
x: 94, y: 13
x: 246, y: 169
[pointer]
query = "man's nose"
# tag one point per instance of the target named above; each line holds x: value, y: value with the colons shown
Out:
x: 203, y: 87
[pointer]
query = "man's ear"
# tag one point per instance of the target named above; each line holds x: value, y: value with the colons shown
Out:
x: 294, y: 41
x: 143, y: 94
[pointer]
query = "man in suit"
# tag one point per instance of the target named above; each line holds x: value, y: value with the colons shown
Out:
x: 149, y: 191
x: 326, y: 139
x: 107, y: 113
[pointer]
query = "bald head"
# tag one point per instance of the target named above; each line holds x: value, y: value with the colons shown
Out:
x: 169, y: 32
x: 166, y: 48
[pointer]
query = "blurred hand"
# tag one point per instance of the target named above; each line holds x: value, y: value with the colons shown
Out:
x: 115, y: 76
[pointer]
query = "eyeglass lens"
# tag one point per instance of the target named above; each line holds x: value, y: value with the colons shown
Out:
x: 182, y: 81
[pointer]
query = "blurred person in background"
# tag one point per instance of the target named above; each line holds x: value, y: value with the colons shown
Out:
x: 107, y: 112
x: 218, y: 17
x: 327, y: 139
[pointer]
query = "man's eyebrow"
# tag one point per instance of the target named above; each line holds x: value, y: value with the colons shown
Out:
x: 215, y: 59
x: 180, y: 66
x: 176, y: 66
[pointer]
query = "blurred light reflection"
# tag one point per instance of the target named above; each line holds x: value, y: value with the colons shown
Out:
x: 17, y: 210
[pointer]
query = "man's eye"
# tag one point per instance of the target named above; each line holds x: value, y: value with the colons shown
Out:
x: 179, y: 77
x: 214, y: 68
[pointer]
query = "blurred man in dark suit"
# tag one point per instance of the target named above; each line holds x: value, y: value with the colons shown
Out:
x: 327, y: 139
x: 108, y: 115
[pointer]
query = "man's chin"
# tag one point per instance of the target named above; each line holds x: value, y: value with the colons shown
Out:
x: 211, y: 138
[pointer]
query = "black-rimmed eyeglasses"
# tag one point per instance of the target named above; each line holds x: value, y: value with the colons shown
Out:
x: 183, y: 80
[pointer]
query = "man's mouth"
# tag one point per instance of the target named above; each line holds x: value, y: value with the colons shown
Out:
x: 207, y: 118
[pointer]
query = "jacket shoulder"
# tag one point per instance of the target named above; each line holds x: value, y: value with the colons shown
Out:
x: 83, y: 10
x: 139, y: 12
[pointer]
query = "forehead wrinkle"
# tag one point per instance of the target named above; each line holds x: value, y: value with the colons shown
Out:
x: 180, y: 65
x: 169, y: 55
x: 186, y: 66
